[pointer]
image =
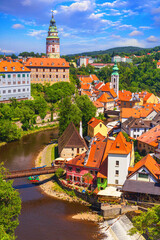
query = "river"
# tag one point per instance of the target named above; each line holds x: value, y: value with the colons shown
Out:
x: 43, y: 217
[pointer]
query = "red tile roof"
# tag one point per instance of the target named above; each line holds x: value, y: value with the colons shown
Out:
x: 98, y: 104
x: 13, y: 67
x: 148, y: 162
x: 135, y: 113
x: 106, y: 88
x: 104, y: 98
x: 47, y: 62
x: 94, y: 122
x: 99, y: 85
x: 85, y: 86
x: 150, y: 137
x: 125, y: 95
x: 94, y: 158
x: 120, y: 145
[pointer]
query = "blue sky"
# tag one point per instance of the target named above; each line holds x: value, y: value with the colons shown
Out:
x: 83, y: 25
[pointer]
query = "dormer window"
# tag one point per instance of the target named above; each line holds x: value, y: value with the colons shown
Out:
x: 22, y: 68
x: 63, y: 64
x: 13, y: 68
x: 5, y: 68
x: 41, y: 63
x: 52, y: 63
x: 30, y: 63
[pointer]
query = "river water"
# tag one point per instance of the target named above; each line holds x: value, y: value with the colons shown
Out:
x: 43, y: 217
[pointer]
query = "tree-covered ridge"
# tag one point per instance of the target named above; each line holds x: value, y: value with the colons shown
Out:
x: 117, y: 50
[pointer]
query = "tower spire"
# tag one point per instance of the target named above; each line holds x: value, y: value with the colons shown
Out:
x: 52, y: 40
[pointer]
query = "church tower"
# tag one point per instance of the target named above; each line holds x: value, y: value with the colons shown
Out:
x: 52, y: 41
x: 115, y: 79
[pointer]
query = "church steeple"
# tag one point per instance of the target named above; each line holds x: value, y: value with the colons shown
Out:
x: 52, y: 41
x: 115, y: 79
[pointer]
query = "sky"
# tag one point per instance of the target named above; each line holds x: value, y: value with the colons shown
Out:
x: 83, y: 25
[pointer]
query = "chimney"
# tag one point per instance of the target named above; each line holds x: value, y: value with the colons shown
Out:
x: 80, y: 130
x: 88, y: 151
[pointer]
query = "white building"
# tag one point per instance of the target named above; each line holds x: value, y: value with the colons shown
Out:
x: 120, y: 157
x: 14, y: 81
x: 84, y: 61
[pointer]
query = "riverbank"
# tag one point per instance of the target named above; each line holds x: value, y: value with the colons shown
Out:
x: 39, y: 129
x: 51, y: 187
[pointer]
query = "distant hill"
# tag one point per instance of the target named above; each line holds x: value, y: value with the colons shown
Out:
x: 128, y: 49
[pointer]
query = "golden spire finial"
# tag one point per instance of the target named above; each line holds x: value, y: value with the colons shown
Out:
x: 52, y: 13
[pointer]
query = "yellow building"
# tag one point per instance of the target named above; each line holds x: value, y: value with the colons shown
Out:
x: 146, y: 97
x: 96, y: 126
x: 48, y: 70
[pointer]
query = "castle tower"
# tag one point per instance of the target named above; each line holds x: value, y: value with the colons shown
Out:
x: 115, y: 79
x: 52, y: 41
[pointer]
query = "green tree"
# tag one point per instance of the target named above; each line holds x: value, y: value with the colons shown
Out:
x: 40, y: 106
x: 88, y: 110
x: 148, y: 223
x: 9, y: 131
x: 68, y: 113
x: 28, y: 117
x: 138, y: 157
x: 87, y: 177
x: 10, y: 207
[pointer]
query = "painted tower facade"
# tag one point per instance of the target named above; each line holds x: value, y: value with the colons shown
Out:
x: 52, y: 41
x: 115, y: 79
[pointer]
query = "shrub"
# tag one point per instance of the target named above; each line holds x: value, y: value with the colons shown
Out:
x: 59, y: 173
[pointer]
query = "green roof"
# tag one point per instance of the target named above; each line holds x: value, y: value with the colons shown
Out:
x: 115, y: 73
x: 52, y: 37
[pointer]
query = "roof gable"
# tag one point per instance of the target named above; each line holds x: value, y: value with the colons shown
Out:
x: 94, y: 122
x: 71, y: 139
x: 149, y: 163
x: 120, y: 145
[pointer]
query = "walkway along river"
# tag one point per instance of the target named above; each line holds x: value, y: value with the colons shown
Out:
x: 43, y: 217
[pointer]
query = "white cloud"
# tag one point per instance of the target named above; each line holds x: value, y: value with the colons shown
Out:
x: 126, y: 26
x: 17, y: 26
x: 96, y: 16
x: 80, y: 6
x: 135, y: 33
x: 37, y: 33
x: 145, y: 27
x: 152, y: 39
x: 6, y: 51
x: 116, y: 4
x: 130, y: 42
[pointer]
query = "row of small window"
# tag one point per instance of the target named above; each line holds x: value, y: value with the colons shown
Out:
x: 44, y: 76
x: 49, y: 80
x: 9, y: 82
x: 17, y: 97
x: 15, y: 90
x: 46, y: 70
x: 15, y: 75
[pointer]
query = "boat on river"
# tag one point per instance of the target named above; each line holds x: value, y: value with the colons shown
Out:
x: 34, y: 179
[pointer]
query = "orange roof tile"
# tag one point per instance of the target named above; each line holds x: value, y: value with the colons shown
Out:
x: 94, y: 77
x: 12, y: 67
x: 94, y: 158
x: 99, y: 85
x: 120, y: 145
x: 150, y: 137
x: 47, y: 62
x: 85, y: 86
x: 158, y: 63
x: 105, y: 98
x: 104, y: 164
x: 148, y: 162
x: 99, y: 136
x: 125, y: 95
x: 98, y: 104
x: 94, y: 122
x: 86, y: 93
x: 136, y: 113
